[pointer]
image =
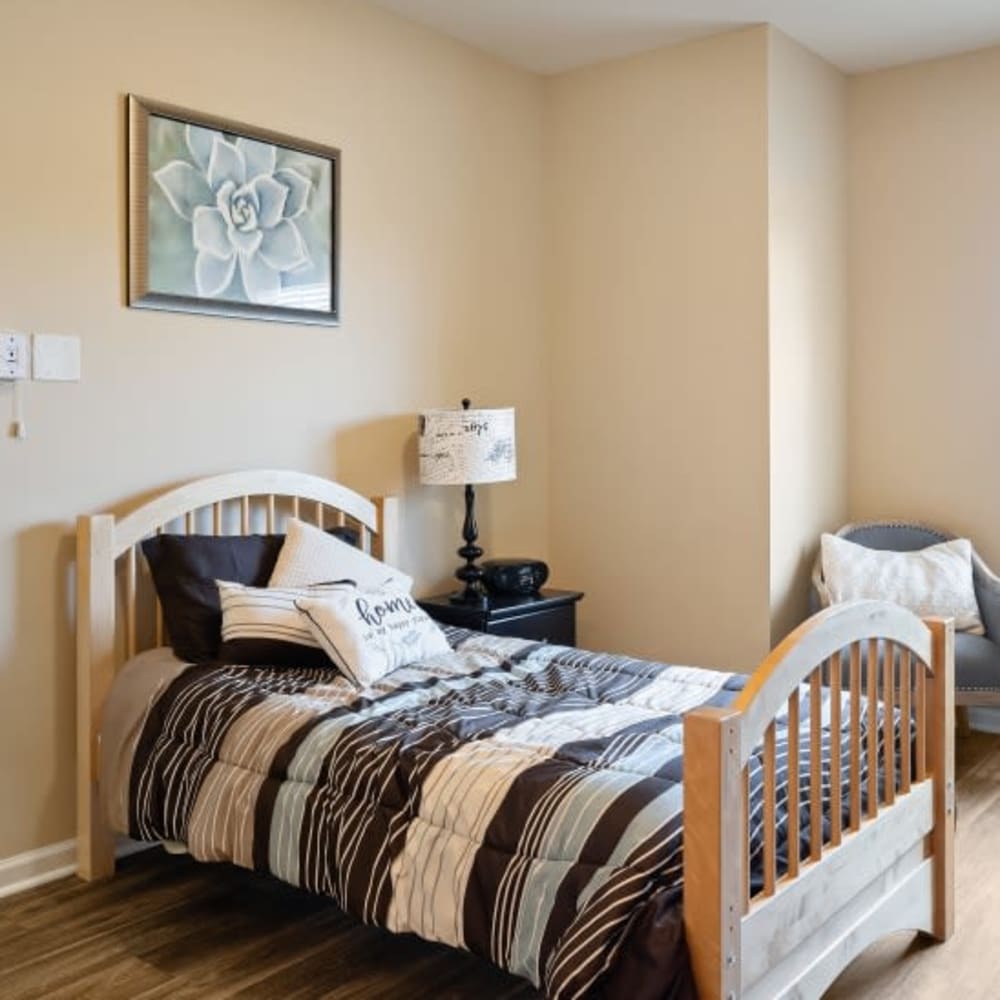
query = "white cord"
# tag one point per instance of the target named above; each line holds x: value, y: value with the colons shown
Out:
x: 19, y: 428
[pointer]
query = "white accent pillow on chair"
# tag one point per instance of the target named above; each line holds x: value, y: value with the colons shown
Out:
x: 932, y: 581
x: 367, y: 633
x: 310, y: 556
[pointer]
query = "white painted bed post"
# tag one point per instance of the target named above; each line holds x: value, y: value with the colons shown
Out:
x: 95, y: 603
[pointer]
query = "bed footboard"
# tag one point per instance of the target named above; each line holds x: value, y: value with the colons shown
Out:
x: 863, y: 780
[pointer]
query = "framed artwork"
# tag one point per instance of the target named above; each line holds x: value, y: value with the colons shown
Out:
x: 229, y: 219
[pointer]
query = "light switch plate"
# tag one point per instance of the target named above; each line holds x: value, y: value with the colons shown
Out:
x: 13, y: 355
x: 55, y: 358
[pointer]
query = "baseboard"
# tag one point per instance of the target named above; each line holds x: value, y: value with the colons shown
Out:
x: 986, y: 720
x: 46, y: 864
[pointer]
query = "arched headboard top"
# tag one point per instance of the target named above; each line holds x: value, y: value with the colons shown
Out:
x: 183, y: 500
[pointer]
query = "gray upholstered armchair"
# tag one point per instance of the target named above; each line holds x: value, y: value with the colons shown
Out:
x: 977, y: 657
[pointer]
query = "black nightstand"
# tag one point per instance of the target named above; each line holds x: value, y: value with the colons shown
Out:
x: 548, y: 616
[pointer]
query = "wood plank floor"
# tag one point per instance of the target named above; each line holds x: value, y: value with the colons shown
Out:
x: 168, y: 928
x: 904, y: 967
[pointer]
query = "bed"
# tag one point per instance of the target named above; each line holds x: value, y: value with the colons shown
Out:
x: 582, y: 906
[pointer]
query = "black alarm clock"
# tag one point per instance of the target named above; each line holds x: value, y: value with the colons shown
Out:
x: 514, y: 577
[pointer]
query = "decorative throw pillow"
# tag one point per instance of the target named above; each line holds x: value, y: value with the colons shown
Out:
x: 311, y: 556
x: 932, y: 581
x: 185, y: 568
x: 262, y: 627
x: 367, y: 633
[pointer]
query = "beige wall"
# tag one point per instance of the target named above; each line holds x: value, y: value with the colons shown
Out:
x: 441, y: 236
x: 647, y: 258
x: 657, y: 278
x: 807, y: 307
x: 925, y: 293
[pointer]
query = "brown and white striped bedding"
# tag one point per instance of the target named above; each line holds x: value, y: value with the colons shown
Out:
x: 519, y: 800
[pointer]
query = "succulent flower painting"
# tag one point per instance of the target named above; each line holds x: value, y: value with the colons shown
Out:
x: 237, y: 220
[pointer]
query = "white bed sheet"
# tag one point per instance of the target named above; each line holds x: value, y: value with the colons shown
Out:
x: 134, y: 691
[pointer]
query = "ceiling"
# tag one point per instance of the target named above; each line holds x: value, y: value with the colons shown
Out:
x: 549, y: 36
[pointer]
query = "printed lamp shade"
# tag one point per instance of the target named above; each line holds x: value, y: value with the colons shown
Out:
x: 467, y: 446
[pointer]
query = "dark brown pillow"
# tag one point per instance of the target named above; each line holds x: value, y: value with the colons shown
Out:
x: 185, y: 568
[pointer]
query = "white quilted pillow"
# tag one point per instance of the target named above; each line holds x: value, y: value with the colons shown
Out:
x: 367, y: 633
x: 310, y: 556
x: 932, y: 581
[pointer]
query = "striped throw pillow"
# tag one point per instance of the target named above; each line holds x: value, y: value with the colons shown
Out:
x: 262, y: 627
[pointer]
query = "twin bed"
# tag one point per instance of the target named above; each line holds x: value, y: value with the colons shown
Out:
x: 598, y: 824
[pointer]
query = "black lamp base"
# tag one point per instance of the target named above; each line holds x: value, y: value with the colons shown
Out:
x: 474, y: 591
x: 471, y: 574
x: 477, y: 598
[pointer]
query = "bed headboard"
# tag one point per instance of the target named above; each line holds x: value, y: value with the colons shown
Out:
x: 118, y: 614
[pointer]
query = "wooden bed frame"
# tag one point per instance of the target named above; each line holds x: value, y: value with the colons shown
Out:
x: 889, y: 868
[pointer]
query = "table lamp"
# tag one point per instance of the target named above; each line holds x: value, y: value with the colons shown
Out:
x: 468, y: 447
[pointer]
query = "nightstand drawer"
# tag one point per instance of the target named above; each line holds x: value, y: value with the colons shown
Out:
x: 548, y: 616
x: 556, y: 625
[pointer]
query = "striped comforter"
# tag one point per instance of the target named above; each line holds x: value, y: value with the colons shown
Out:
x: 519, y: 800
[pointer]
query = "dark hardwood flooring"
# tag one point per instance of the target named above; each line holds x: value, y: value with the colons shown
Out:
x: 166, y: 927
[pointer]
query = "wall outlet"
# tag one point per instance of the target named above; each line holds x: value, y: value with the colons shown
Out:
x: 55, y: 358
x: 13, y: 356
